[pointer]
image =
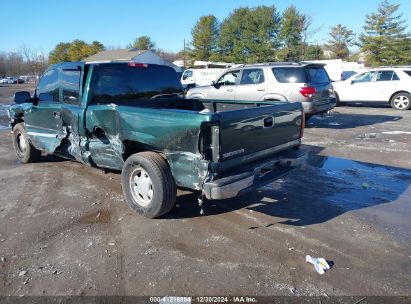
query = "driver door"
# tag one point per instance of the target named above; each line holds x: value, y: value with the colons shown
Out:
x: 43, y: 121
x: 224, y: 88
x: 362, y: 88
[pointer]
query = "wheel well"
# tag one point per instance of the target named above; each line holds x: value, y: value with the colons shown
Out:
x: 18, y: 119
x: 389, y: 100
x: 336, y: 95
x: 197, y: 96
x: 131, y: 147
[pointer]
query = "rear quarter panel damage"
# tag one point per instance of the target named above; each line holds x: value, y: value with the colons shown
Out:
x: 173, y: 133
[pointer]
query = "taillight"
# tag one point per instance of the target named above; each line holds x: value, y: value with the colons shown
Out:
x: 308, y: 91
x: 331, y: 91
x: 137, y: 65
x: 302, y: 123
x: 210, y: 144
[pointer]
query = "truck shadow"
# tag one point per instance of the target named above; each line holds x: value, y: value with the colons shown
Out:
x: 347, y: 121
x: 321, y: 190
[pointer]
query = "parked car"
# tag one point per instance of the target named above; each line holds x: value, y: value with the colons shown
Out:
x: 307, y: 83
x: 132, y: 117
x: 390, y: 84
x: 11, y: 80
x: 347, y: 74
x: 199, y: 77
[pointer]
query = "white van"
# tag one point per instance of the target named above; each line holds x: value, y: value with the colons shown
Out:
x: 203, y: 73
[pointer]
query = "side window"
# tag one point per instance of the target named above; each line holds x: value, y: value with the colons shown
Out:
x: 365, y: 77
x: 70, y: 80
x: 229, y: 78
x: 49, y: 84
x: 395, y: 76
x: 386, y: 76
x: 187, y: 74
x: 252, y: 76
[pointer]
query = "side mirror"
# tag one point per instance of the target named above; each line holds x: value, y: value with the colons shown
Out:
x: 21, y: 97
x: 45, y: 97
x: 215, y: 84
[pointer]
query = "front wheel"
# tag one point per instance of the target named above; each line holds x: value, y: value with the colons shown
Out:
x: 338, y: 102
x: 401, y: 101
x: 22, y: 145
x: 148, y: 184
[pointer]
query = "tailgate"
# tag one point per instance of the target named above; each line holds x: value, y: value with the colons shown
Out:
x: 247, y: 135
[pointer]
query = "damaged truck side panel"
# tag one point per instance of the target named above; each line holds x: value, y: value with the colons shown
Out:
x: 110, y: 114
x: 174, y: 134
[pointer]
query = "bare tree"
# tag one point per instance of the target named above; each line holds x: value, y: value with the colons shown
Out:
x: 307, y: 32
x: 24, y: 62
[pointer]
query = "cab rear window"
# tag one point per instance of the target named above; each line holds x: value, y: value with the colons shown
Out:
x: 122, y: 83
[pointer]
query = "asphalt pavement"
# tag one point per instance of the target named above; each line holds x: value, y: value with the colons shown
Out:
x: 65, y: 228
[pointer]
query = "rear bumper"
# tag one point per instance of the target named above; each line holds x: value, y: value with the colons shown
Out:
x: 253, y: 176
x: 316, y: 107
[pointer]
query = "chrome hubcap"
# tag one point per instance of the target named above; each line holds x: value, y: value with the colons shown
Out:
x: 401, y: 102
x: 141, y: 186
x: 21, y: 143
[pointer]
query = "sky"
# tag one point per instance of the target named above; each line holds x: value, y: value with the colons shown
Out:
x: 42, y: 24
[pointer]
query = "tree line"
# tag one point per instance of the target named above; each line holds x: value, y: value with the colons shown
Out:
x: 24, y: 62
x: 263, y: 34
x: 254, y: 35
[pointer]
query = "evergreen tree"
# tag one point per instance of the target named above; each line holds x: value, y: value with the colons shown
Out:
x: 341, y: 39
x: 384, y: 40
x: 143, y: 43
x: 313, y: 52
x: 59, y: 53
x: 204, y: 38
x: 250, y: 35
x: 76, y: 50
x: 291, y: 35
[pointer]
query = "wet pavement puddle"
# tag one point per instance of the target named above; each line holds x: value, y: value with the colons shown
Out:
x: 369, y: 184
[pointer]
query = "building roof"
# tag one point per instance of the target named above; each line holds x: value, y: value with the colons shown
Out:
x: 141, y: 56
x: 111, y: 55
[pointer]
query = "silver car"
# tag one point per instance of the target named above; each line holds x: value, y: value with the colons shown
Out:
x: 307, y: 83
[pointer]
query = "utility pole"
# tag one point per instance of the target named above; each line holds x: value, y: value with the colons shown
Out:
x: 184, y: 53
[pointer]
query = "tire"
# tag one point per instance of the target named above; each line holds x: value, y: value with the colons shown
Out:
x: 339, y: 103
x: 401, y: 101
x: 148, y: 184
x: 25, y: 151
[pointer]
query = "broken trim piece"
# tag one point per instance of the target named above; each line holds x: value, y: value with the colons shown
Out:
x: 42, y: 134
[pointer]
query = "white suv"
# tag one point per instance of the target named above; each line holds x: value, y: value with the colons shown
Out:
x: 388, y: 84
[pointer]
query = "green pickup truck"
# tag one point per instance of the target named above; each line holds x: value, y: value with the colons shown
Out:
x: 133, y: 117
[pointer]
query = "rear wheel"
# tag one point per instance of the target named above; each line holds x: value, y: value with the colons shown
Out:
x: 148, y: 184
x: 401, y: 101
x: 22, y: 146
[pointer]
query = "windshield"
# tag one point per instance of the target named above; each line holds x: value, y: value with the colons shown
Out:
x: 122, y: 83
